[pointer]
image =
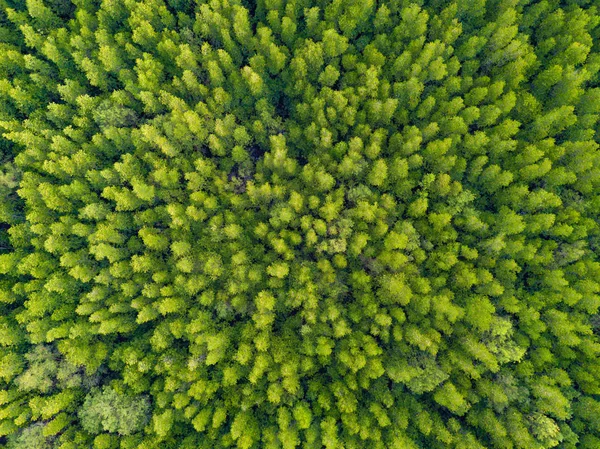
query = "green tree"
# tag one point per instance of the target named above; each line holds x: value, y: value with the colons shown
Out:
x: 107, y: 410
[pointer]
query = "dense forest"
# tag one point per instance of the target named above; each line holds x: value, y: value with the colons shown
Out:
x: 341, y: 224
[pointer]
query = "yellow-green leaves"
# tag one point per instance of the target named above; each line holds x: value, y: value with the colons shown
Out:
x: 278, y: 269
x: 289, y: 224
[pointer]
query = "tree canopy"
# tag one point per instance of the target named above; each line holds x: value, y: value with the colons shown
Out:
x: 279, y: 224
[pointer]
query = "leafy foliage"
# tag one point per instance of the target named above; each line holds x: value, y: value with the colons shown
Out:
x: 299, y: 224
x: 110, y: 411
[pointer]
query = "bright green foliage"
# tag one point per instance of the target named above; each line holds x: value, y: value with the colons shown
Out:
x: 109, y: 411
x: 299, y: 224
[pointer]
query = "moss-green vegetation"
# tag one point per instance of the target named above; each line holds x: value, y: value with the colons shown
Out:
x: 346, y: 224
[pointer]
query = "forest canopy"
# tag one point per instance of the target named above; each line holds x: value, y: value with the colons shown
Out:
x: 342, y: 224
